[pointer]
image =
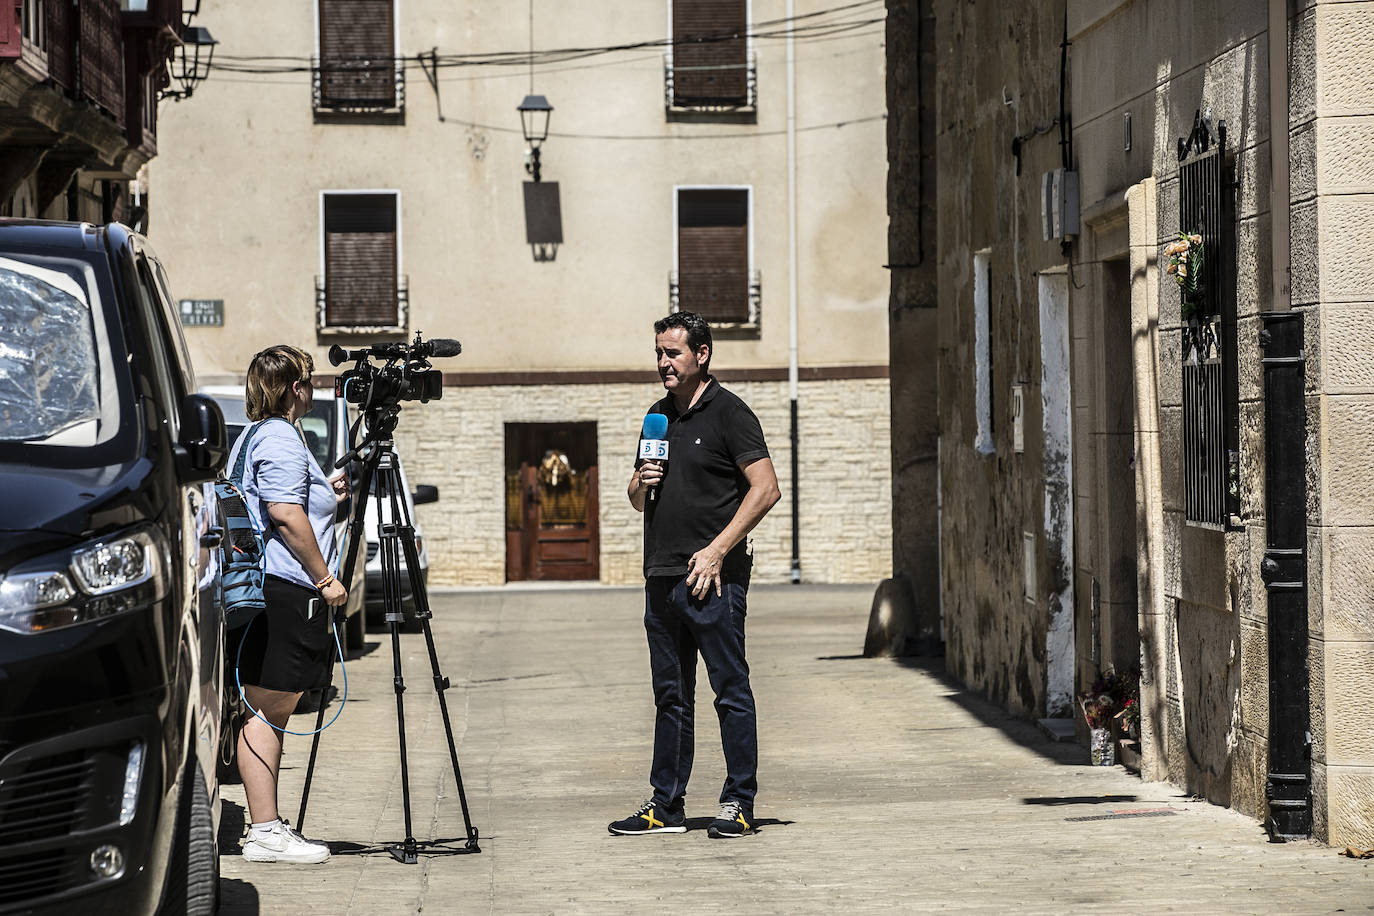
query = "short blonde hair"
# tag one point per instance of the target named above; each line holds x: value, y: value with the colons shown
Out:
x: 271, y: 375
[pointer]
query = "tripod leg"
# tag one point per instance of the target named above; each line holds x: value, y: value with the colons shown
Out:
x: 441, y: 683
x: 314, y: 746
x: 355, y: 534
x: 406, y: 852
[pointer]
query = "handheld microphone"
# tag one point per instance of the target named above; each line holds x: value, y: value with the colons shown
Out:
x: 654, y: 446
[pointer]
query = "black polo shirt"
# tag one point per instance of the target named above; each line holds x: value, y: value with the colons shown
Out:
x: 704, y: 485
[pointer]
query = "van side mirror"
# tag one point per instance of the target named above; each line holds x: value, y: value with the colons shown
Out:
x: 425, y: 493
x: 203, y: 446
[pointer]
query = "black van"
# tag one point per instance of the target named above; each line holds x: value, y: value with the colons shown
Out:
x: 111, y: 634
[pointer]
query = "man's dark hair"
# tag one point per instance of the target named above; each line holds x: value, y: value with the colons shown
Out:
x: 698, y: 332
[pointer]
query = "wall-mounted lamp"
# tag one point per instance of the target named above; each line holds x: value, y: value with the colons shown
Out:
x: 191, y: 65
x: 534, y: 121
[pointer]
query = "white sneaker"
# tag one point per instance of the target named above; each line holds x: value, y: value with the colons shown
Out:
x: 283, y: 843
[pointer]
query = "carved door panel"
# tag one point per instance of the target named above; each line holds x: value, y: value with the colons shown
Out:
x: 552, y: 498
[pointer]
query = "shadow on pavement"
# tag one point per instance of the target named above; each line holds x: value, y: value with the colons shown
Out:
x: 231, y: 822
x: 701, y: 823
x: 1079, y: 799
x: 1023, y: 731
x: 238, y: 898
x: 455, y: 846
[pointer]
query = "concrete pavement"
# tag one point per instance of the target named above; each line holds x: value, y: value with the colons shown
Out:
x: 883, y: 787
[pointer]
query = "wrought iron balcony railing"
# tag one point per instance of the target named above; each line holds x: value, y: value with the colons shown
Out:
x: 350, y: 86
x: 729, y: 299
x: 362, y: 305
x: 712, y: 87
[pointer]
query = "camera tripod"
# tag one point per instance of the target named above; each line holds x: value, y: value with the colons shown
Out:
x: 397, y: 542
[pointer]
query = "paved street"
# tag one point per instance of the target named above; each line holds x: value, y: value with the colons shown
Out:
x: 883, y: 787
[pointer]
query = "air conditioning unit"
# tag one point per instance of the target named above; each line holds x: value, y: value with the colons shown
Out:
x: 1059, y: 204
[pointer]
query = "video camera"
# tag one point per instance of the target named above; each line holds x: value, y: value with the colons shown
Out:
x: 406, y: 374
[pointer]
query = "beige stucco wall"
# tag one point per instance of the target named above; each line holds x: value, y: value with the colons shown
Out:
x: 242, y: 165
x: 236, y: 216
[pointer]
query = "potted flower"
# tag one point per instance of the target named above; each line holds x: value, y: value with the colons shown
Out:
x: 1098, y: 705
x: 1185, y: 263
x: 1113, y: 698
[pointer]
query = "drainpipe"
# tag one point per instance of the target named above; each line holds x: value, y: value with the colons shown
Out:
x: 1288, y: 788
x: 792, y: 287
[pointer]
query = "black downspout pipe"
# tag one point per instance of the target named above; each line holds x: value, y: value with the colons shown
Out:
x: 796, y: 505
x: 1288, y: 788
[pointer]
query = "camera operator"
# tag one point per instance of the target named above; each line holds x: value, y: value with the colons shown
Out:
x: 285, y: 650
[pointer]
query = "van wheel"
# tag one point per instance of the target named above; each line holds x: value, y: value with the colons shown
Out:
x: 193, y: 875
x: 355, y: 631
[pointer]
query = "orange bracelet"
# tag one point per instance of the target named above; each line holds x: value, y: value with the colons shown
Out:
x: 324, y: 583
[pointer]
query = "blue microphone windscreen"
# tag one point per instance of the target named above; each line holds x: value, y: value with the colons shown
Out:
x: 655, y: 426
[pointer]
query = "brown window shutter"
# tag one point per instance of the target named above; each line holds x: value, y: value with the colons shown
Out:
x: 360, y: 270
x: 713, y: 272
x: 725, y: 81
x: 360, y: 279
x: 357, y: 52
x: 713, y: 253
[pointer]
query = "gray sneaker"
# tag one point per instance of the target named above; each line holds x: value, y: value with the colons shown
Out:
x: 283, y: 843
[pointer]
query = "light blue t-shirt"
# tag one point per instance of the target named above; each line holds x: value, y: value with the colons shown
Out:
x: 279, y: 468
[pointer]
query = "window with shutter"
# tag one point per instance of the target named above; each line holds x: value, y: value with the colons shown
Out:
x: 361, y: 287
x: 358, y: 72
x: 710, y: 65
x: 713, y: 277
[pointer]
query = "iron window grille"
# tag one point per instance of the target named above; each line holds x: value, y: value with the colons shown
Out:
x: 1211, y: 461
x: 349, y: 87
x: 731, y: 300
x: 711, y: 87
x: 345, y: 307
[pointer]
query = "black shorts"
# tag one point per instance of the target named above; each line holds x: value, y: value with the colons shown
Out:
x: 282, y: 648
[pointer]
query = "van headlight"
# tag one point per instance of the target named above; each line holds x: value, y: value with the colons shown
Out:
x: 101, y: 578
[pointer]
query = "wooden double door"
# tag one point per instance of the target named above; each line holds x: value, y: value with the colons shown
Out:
x: 552, y: 498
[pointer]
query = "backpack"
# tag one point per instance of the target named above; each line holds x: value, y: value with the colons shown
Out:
x: 244, y: 548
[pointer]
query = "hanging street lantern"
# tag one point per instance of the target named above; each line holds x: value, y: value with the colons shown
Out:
x: 534, y: 122
x: 192, y: 62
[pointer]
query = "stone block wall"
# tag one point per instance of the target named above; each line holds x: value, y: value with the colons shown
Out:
x: 994, y: 81
x: 457, y: 444
x: 1216, y: 745
x: 1200, y: 604
x: 1332, y: 126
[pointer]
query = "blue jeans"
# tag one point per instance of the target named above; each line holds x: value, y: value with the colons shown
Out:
x: 679, y: 627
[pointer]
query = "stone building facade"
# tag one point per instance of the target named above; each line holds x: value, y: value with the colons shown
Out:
x: 80, y: 87
x: 269, y: 202
x: 1091, y: 547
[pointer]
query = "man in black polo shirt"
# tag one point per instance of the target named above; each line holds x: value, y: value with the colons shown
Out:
x: 715, y: 486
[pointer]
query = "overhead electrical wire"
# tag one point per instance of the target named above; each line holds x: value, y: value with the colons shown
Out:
x: 813, y: 31
x: 544, y: 62
x: 544, y: 71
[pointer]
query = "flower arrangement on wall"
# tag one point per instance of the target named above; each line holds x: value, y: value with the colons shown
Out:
x: 1185, y: 264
